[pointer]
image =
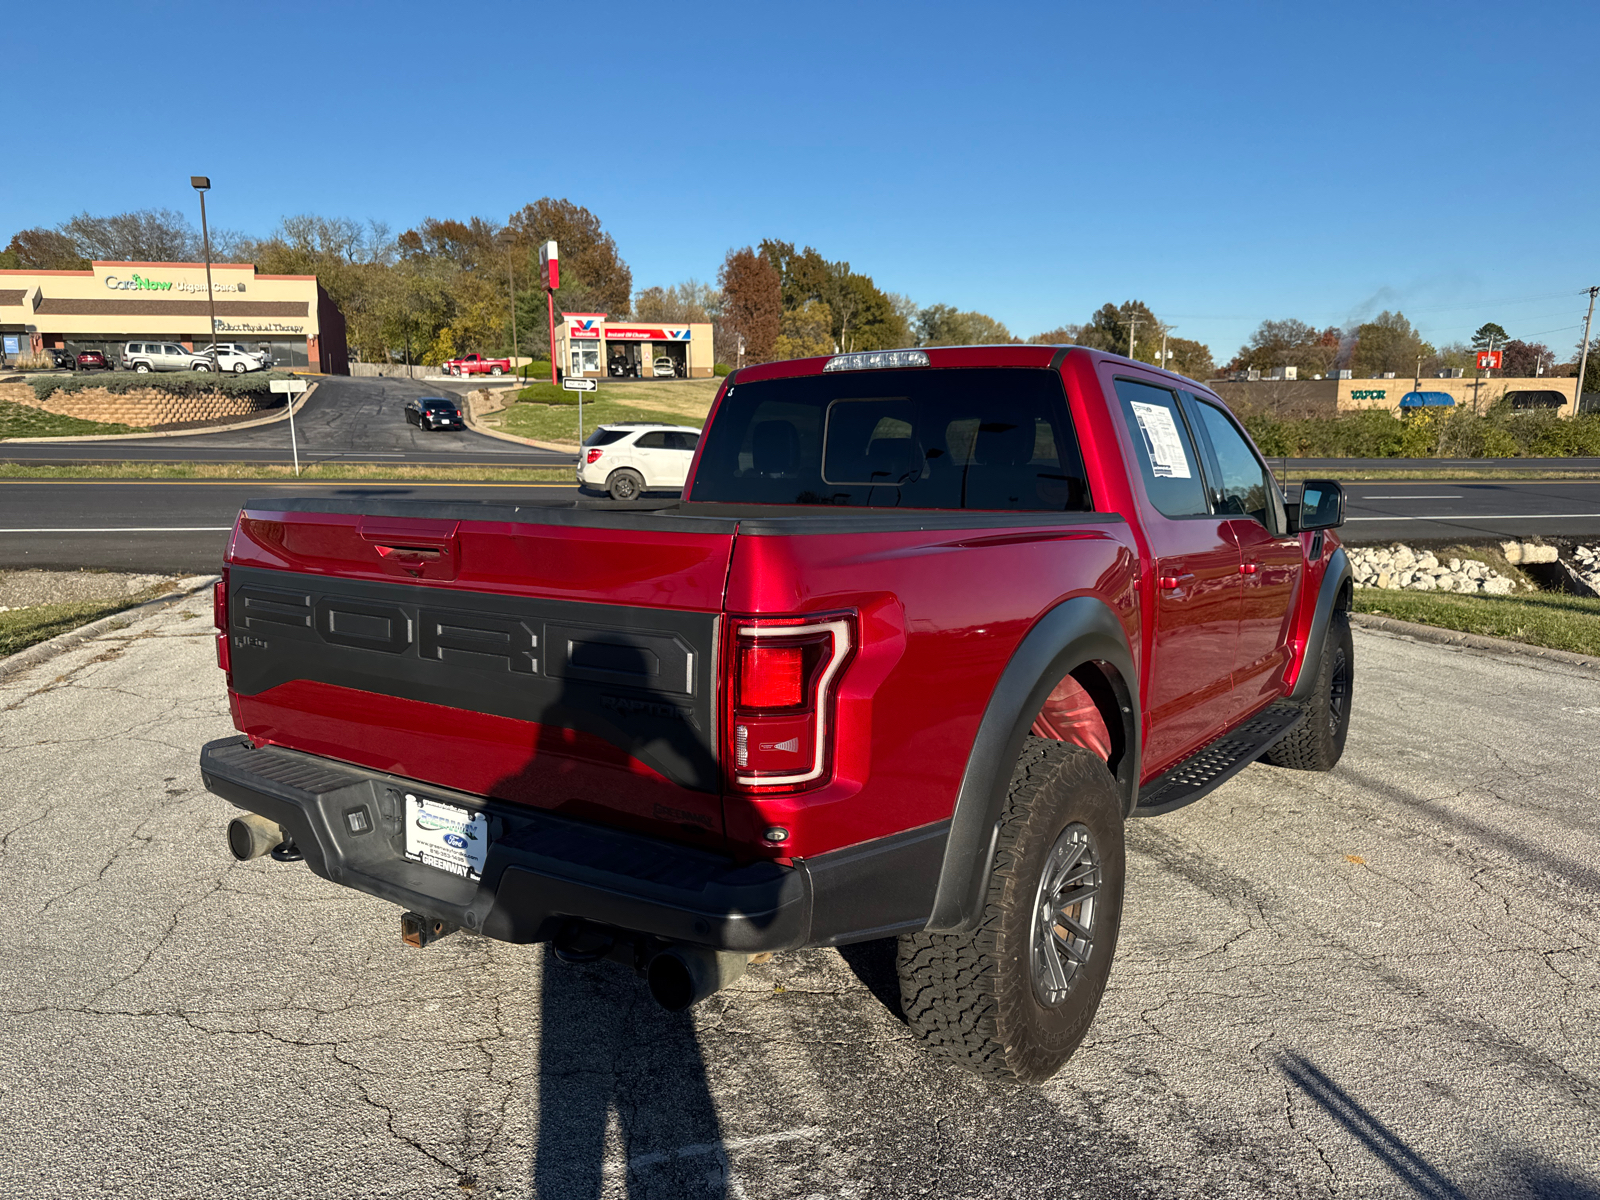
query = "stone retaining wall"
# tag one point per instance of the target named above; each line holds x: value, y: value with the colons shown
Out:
x: 142, y: 408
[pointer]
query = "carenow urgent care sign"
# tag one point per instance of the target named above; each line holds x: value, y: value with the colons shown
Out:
x: 135, y: 282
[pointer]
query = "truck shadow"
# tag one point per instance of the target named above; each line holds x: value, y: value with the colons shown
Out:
x: 1538, y: 1179
x: 615, y: 1067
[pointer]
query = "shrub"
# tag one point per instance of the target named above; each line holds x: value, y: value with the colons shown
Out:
x: 547, y: 393
x: 1433, y: 432
x: 177, y: 383
x: 538, y: 369
x: 721, y: 369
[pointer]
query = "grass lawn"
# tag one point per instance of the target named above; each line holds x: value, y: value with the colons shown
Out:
x: 274, y: 472
x: 548, y: 414
x: 24, y: 627
x: 21, y: 420
x: 1549, y: 619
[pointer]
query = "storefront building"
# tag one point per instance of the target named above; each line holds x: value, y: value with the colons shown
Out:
x: 589, y: 345
x: 113, y: 303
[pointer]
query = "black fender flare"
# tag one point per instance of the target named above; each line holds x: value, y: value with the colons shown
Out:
x: 1334, y: 594
x: 1077, y: 631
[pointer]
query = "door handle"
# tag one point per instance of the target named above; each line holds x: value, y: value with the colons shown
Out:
x: 1171, y: 583
x: 410, y: 553
x: 1248, y: 568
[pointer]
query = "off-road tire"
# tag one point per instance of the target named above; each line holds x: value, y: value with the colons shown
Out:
x: 970, y: 997
x: 1318, y: 742
x: 625, y: 484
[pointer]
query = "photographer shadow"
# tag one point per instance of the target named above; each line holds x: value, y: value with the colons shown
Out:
x: 608, y: 1051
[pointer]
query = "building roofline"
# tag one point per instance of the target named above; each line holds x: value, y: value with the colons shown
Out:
x: 285, y: 276
x: 9, y: 271
x: 216, y: 266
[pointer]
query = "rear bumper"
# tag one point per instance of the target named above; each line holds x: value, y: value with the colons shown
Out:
x: 543, y: 870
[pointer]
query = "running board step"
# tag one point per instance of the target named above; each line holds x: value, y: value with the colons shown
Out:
x: 1218, y: 761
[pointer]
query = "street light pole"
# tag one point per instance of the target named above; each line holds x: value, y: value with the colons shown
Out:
x: 202, y: 184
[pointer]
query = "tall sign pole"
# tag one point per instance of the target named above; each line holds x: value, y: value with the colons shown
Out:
x: 550, y: 275
x: 1583, y: 359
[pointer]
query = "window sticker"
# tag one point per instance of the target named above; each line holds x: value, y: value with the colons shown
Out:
x: 1161, y: 441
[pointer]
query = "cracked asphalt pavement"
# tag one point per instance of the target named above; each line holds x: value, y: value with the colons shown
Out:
x: 1377, y: 982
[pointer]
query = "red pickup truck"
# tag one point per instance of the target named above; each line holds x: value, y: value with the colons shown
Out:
x: 477, y: 364
x: 925, y: 628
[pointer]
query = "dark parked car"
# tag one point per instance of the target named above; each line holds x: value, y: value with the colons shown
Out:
x: 65, y: 358
x: 92, y: 360
x: 434, y: 412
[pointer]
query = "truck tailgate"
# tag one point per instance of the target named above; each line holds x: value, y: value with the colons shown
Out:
x: 563, y: 659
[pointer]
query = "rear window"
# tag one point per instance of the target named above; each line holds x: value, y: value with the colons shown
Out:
x: 604, y: 437
x: 974, y: 438
x: 436, y: 403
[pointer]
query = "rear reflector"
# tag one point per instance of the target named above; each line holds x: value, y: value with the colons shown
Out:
x: 869, y: 359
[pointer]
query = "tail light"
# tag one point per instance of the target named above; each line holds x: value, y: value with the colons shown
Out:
x: 780, y: 700
x: 594, y: 456
x: 219, y: 618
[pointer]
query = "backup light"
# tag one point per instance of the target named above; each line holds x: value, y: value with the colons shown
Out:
x: 866, y: 360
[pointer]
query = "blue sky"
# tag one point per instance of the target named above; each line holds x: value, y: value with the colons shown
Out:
x: 1224, y: 163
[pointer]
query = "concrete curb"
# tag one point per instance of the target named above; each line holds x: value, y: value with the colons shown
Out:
x: 170, y: 433
x: 62, y: 642
x: 1471, y: 641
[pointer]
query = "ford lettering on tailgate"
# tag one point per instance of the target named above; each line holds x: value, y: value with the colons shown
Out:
x: 640, y: 678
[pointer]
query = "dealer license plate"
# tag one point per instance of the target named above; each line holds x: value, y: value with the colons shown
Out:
x: 446, y: 836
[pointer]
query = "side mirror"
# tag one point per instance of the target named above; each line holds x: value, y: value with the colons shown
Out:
x: 1321, y: 504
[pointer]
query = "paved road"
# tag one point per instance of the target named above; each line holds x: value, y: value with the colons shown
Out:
x: 360, y: 420
x: 176, y: 526
x: 182, y: 526
x: 1430, y: 510
x: 1378, y: 982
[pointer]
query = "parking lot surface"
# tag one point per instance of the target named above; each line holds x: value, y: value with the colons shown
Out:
x: 1377, y: 982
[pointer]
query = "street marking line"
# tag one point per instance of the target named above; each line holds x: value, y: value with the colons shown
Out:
x: 656, y: 1157
x: 134, y: 529
x: 286, y: 483
x: 1477, y: 517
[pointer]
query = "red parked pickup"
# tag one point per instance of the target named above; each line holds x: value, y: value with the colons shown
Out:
x: 476, y: 364
x: 926, y: 627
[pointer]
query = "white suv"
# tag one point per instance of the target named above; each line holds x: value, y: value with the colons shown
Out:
x: 633, y: 457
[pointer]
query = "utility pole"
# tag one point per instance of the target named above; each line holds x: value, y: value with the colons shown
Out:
x: 1583, y: 359
x: 511, y: 280
x: 1133, y: 328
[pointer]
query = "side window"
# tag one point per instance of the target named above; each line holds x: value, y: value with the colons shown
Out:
x: 1167, y: 460
x: 652, y: 441
x: 683, y: 441
x: 1243, y: 486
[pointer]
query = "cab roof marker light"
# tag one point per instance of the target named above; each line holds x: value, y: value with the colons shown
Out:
x: 868, y: 359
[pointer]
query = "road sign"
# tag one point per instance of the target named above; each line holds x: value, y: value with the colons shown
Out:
x: 1488, y: 360
x: 578, y: 385
x: 293, y: 387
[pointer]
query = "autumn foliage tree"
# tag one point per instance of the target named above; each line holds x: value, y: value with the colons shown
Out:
x: 752, y: 302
